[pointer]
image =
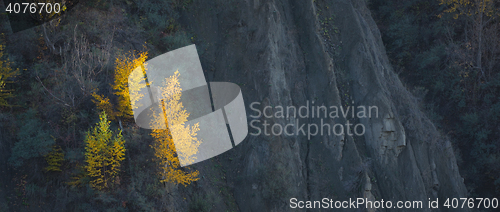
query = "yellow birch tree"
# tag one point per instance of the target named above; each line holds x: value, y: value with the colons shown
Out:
x: 103, y: 154
x: 124, y: 67
x: 481, y: 13
x: 187, y: 144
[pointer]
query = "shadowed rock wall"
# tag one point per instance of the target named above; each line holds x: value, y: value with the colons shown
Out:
x: 285, y: 53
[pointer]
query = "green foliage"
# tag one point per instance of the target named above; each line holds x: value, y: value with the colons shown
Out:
x: 140, y: 202
x: 199, y: 203
x: 156, y: 17
x: 105, y: 198
x: 176, y: 40
x: 155, y: 189
x: 100, y: 4
x: 32, y: 190
x: 33, y: 140
x: 144, y: 187
x: 181, y: 3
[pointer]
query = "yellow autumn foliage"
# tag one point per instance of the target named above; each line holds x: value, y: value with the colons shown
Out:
x: 6, y: 72
x: 123, y: 69
x: 470, y: 7
x: 187, y: 144
x: 54, y: 158
x: 103, y: 104
x: 103, y: 154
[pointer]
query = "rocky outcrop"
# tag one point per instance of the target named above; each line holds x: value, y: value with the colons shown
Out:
x: 295, y: 53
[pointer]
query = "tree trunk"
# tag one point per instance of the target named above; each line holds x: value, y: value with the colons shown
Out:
x: 47, y: 40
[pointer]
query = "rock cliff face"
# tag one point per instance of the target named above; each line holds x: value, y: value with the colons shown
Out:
x: 295, y: 53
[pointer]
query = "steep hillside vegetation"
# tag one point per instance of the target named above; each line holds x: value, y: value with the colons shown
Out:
x: 448, y: 52
x: 281, y: 53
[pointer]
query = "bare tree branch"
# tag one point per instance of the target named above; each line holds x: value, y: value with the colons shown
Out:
x: 64, y: 103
